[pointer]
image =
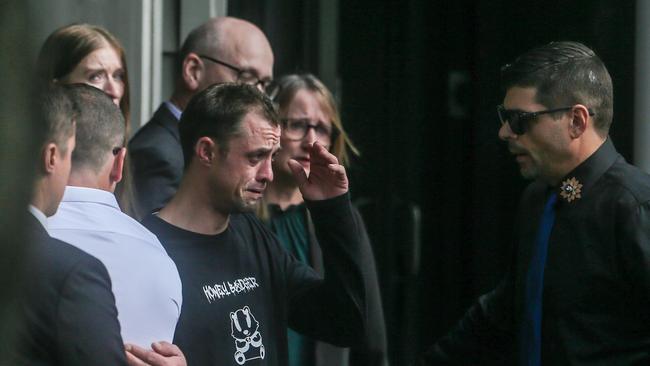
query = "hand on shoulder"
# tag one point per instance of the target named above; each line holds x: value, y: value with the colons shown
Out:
x: 162, y: 354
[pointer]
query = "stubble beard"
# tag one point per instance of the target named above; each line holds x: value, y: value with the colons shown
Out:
x: 242, y: 204
x: 531, y: 172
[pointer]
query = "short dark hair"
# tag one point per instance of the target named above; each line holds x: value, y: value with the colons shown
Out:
x: 564, y: 74
x: 56, y: 114
x: 100, y: 127
x: 218, y: 111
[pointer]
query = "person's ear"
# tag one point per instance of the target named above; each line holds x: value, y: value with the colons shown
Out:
x: 205, y: 150
x: 117, y: 169
x: 192, y: 71
x: 50, y: 158
x: 579, y: 121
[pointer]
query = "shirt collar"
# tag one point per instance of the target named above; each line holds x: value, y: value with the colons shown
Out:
x: 39, y: 215
x: 578, y: 182
x: 174, y: 109
x: 84, y: 194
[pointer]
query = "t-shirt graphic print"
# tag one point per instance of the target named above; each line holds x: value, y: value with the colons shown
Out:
x: 245, y: 331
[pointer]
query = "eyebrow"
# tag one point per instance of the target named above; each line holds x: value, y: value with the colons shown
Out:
x: 255, y: 73
x: 94, y: 69
x: 260, y: 151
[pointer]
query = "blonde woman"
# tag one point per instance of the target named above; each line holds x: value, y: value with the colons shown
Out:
x: 309, y: 114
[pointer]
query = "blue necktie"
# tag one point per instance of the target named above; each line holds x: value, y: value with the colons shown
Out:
x: 531, y: 327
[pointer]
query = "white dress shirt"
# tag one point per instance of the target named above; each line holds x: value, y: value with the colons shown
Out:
x: 174, y: 109
x: 39, y: 215
x: 145, y: 280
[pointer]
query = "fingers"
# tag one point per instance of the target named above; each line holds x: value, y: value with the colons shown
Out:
x: 338, y: 170
x: 298, y: 172
x: 135, y: 355
x: 335, y: 175
x: 131, y: 360
x: 166, y: 349
x: 137, y: 351
x: 138, y: 356
x: 319, y: 155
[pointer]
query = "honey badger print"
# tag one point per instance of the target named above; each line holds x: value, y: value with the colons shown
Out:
x: 248, y: 340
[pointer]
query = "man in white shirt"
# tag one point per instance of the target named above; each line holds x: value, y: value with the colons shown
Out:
x: 65, y: 309
x: 145, y: 280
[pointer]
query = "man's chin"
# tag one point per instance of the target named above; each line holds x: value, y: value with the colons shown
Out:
x: 248, y: 205
x: 529, y: 173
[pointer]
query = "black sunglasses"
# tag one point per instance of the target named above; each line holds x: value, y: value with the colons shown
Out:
x: 518, y: 120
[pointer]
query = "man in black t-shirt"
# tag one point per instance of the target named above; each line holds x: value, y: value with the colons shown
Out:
x: 241, y: 289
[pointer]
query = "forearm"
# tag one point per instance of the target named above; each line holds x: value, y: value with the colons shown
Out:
x: 485, y: 334
x: 337, y: 308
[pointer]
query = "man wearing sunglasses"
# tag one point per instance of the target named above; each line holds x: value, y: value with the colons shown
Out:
x: 223, y: 49
x: 578, y: 288
x: 144, y: 279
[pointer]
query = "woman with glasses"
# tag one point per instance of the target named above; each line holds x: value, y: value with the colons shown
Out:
x: 85, y: 53
x: 309, y: 115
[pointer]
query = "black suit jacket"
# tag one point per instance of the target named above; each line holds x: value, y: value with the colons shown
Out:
x: 596, y: 299
x: 67, y: 314
x: 156, y: 161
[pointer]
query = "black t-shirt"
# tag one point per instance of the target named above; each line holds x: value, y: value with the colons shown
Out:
x: 241, y: 288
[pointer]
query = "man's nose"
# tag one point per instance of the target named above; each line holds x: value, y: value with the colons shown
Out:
x: 505, y: 132
x: 265, y: 173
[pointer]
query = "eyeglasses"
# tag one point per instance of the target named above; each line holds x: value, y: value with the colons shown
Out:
x: 244, y: 76
x: 297, y: 128
x: 518, y: 120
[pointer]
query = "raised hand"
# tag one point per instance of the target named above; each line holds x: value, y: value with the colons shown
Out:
x: 163, y: 354
x: 327, y: 178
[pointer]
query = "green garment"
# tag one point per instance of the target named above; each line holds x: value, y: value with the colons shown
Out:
x: 291, y: 228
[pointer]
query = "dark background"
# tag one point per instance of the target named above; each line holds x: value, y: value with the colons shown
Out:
x: 18, y: 145
x: 418, y: 82
x: 418, y: 86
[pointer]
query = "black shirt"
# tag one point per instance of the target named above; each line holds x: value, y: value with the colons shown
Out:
x: 596, y: 300
x: 241, y: 288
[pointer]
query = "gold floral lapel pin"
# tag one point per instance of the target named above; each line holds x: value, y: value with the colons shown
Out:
x: 571, y: 189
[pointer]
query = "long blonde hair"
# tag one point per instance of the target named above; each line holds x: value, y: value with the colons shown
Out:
x: 282, y: 92
x: 284, y: 89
